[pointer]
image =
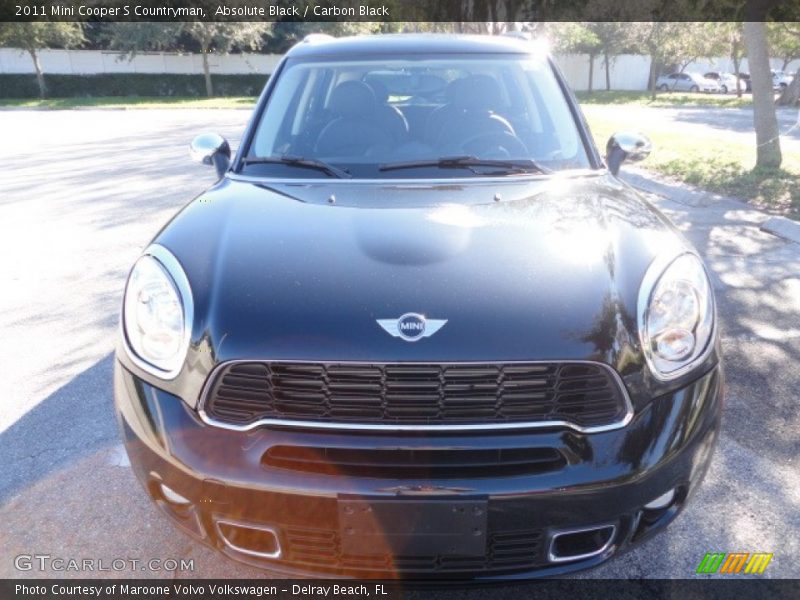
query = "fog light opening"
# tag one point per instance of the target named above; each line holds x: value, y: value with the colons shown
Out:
x: 577, y: 544
x: 663, y: 501
x: 254, y: 540
x: 173, y: 497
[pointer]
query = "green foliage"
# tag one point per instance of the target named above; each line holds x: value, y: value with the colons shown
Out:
x: 130, y: 84
x: 784, y: 41
x: 573, y: 38
x: 207, y: 37
x: 46, y: 34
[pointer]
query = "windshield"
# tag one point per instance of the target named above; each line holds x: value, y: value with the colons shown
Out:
x: 377, y: 118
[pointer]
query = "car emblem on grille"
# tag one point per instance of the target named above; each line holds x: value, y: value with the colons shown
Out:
x: 412, y: 326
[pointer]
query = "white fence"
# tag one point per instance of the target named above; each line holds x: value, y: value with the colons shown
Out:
x: 90, y: 62
x: 628, y: 71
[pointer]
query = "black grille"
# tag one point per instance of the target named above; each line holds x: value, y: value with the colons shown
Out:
x: 585, y: 394
x: 400, y: 463
x: 505, y: 551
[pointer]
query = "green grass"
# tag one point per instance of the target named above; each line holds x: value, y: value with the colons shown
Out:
x: 664, y: 99
x: 125, y: 102
x: 725, y: 167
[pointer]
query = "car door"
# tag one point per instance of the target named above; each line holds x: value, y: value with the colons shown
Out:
x: 683, y: 82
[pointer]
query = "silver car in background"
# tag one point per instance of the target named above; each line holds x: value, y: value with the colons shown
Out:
x: 727, y: 82
x: 780, y: 80
x: 686, y: 82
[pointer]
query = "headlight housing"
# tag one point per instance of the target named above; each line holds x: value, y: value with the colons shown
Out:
x: 157, y: 313
x: 676, y: 316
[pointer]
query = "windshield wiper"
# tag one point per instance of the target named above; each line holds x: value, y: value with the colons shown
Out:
x: 298, y: 161
x: 469, y: 162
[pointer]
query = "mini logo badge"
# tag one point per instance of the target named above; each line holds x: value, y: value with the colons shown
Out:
x: 412, y: 326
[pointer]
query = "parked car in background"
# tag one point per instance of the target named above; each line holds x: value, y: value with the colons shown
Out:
x: 686, y: 82
x: 781, y: 80
x: 727, y: 82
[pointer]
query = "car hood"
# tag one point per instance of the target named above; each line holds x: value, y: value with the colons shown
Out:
x: 537, y: 269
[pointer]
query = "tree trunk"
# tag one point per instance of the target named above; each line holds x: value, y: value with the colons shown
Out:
x: 39, y: 75
x: 655, y: 65
x: 791, y: 93
x: 207, y: 73
x: 768, y: 143
x: 735, y: 60
x: 608, y: 71
x: 591, y: 72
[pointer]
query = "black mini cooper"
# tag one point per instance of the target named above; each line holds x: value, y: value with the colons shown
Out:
x: 419, y: 328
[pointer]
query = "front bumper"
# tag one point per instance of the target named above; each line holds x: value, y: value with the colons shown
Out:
x: 297, y: 522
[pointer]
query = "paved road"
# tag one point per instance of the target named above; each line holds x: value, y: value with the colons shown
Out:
x: 82, y: 192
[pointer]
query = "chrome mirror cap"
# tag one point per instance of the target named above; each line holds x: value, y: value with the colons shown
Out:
x: 626, y: 145
x: 211, y: 149
x: 206, y: 145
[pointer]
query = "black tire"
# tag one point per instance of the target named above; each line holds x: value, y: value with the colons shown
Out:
x: 663, y: 88
x: 694, y: 89
x: 723, y: 89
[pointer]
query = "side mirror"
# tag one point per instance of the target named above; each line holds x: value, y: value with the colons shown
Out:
x: 211, y: 149
x: 626, y: 145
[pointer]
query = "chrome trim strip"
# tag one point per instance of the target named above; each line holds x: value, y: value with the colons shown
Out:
x: 652, y: 276
x: 208, y: 420
x: 175, y: 270
x: 235, y: 548
x: 559, y: 559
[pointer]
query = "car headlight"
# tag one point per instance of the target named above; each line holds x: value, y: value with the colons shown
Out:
x: 157, y: 313
x: 676, y: 316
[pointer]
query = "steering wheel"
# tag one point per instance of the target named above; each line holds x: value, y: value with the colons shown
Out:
x: 484, y: 145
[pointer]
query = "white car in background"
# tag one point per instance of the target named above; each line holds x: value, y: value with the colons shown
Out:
x: 781, y: 80
x: 686, y: 82
x: 727, y: 81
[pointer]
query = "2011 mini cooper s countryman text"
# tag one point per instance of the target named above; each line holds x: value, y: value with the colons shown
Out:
x: 419, y: 328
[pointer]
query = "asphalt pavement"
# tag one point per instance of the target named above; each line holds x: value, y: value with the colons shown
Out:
x: 82, y: 193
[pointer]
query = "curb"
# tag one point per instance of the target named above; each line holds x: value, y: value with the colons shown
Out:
x: 782, y: 227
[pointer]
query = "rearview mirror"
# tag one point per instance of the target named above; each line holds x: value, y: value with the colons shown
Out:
x: 626, y: 145
x: 211, y: 149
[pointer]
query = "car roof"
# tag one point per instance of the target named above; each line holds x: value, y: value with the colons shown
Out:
x: 412, y: 43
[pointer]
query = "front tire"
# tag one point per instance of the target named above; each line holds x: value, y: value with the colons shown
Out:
x: 663, y: 88
x: 694, y: 89
x: 724, y: 89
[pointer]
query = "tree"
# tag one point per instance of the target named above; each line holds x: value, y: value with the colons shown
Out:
x: 209, y: 37
x: 784, y: 41
x: 611, y: 39
x: 576, y: 38
x: 286, y: 34
x: 32, y: 37
x: 222, y: 38
x: 768, y: 145
x: 661, y: 40
x: 699, y: 40
x: 733, y: 34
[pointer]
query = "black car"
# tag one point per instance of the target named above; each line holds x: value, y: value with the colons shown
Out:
x: 419, y: 328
